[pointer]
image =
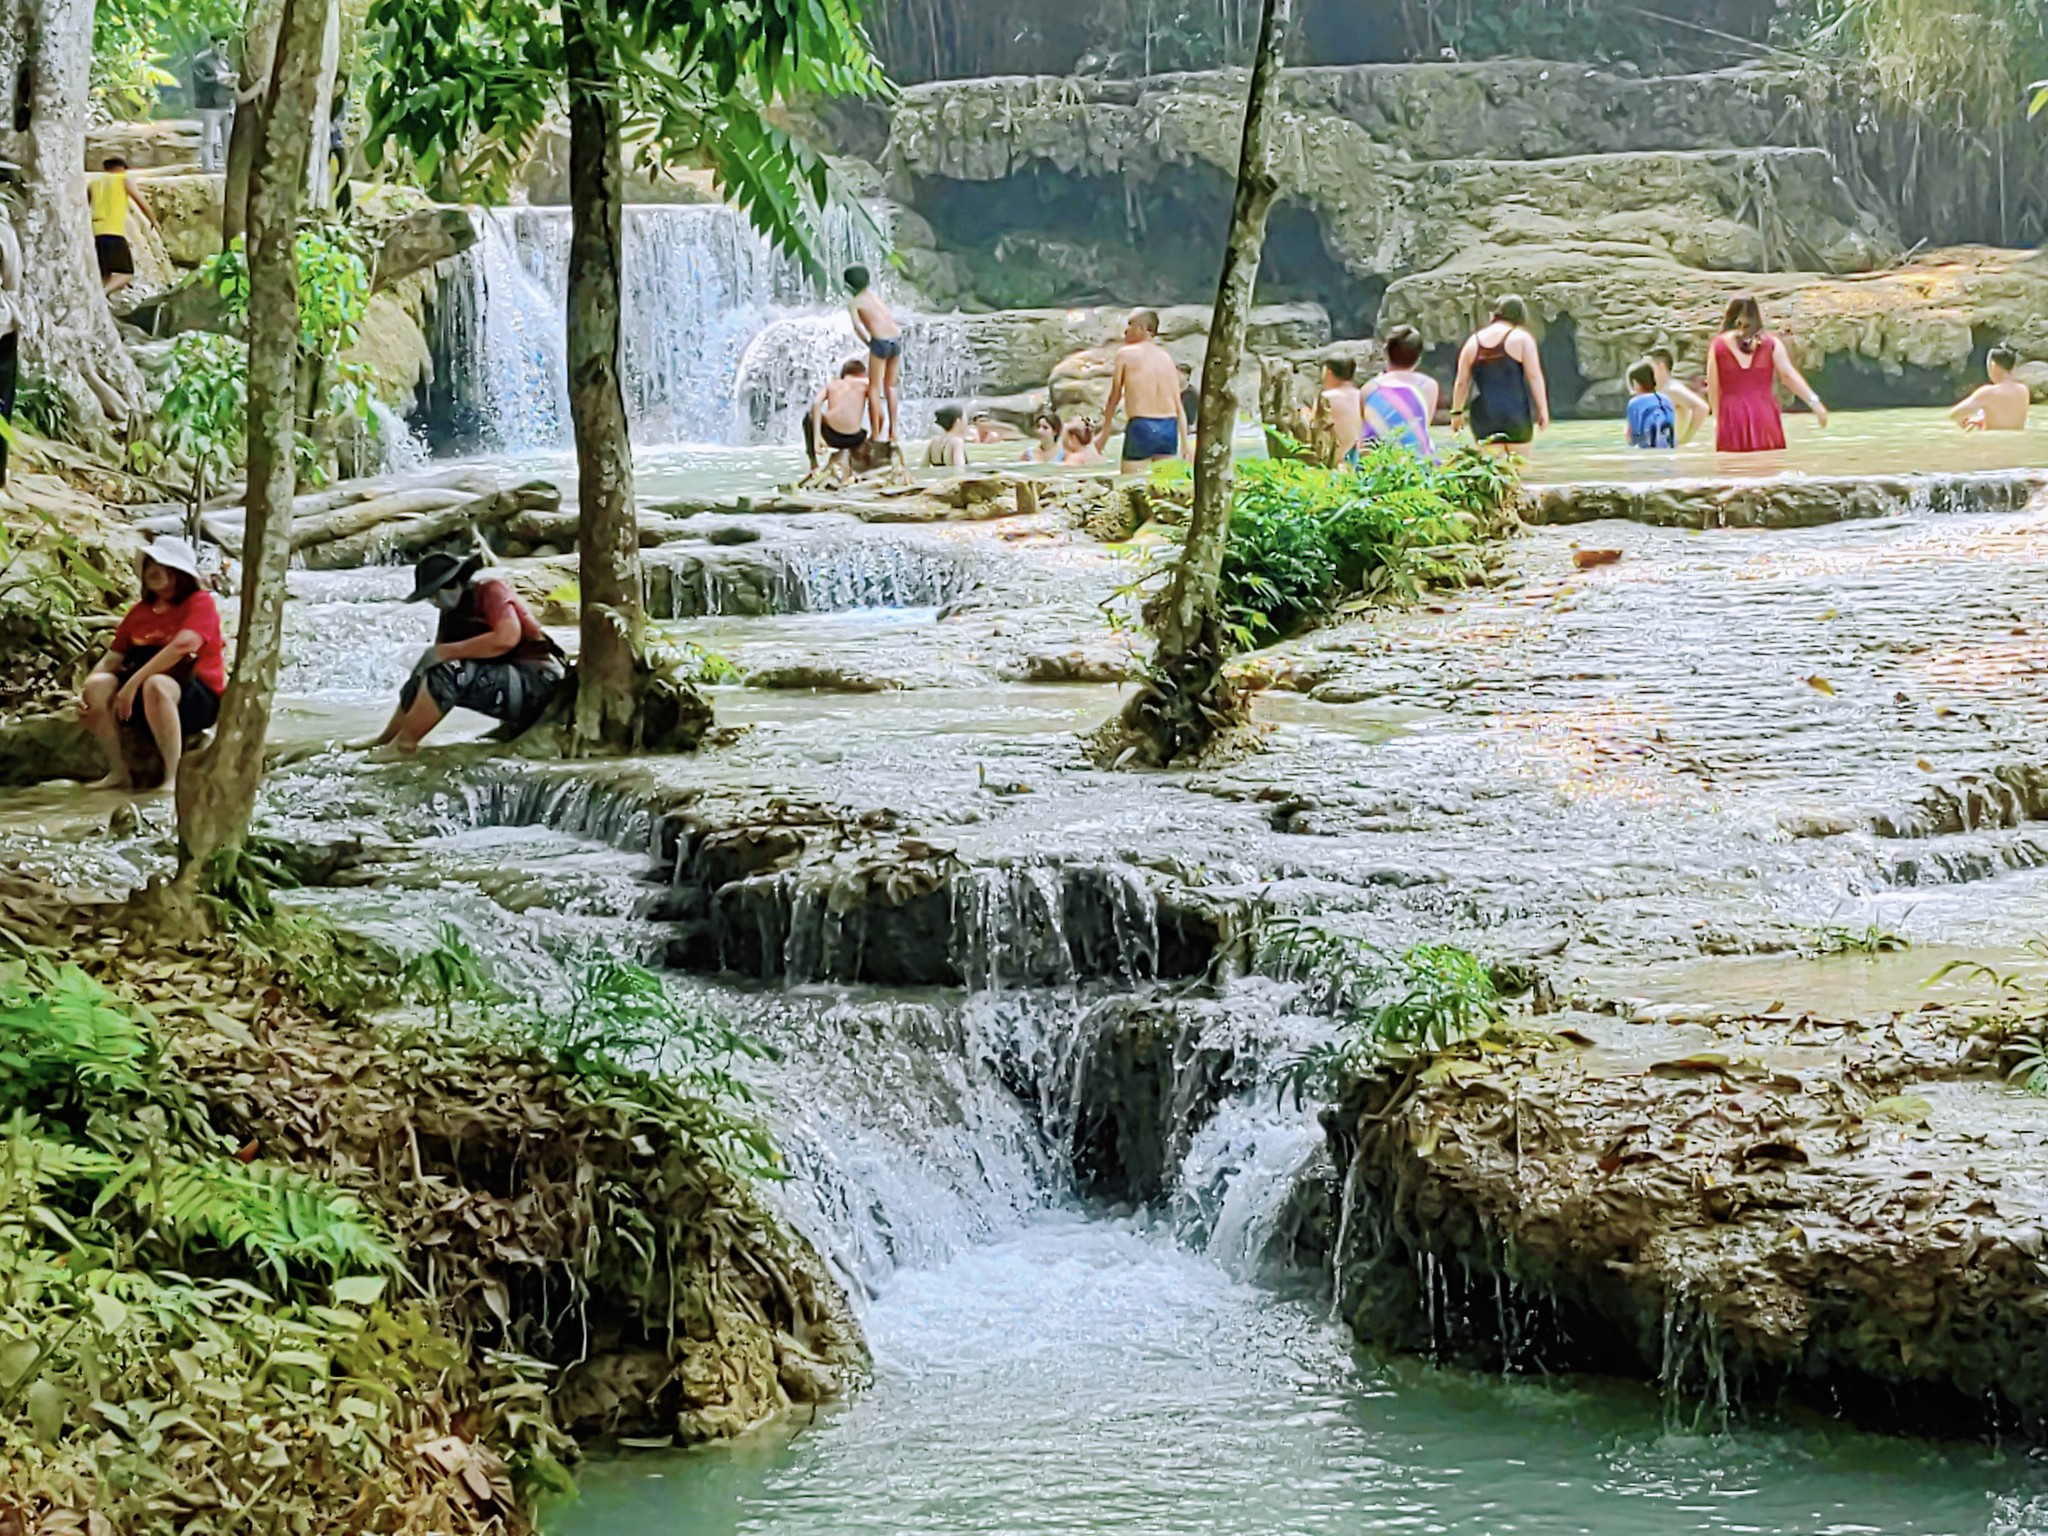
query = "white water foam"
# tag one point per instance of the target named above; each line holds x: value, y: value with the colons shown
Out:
x: 725, y: 340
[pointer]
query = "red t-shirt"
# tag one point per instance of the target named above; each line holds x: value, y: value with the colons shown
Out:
x: 145, y: 627
x: 495, y: 598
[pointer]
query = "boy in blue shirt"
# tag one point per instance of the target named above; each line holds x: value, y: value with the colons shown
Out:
x: 1652, y: 419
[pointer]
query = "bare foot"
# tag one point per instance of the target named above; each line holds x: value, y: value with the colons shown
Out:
x: 112, y: 781
x: 168, y: 787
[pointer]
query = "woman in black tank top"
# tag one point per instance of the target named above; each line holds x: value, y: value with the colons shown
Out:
x: 1508, y: 400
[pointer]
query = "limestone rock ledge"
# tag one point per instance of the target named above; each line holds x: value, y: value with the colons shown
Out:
x: 1840, y: 1211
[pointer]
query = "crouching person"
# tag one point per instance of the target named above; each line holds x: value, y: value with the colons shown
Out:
x: 164, y: 672
x: 489, y: 654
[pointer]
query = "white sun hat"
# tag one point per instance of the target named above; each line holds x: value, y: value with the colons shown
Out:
x: 173, y: 554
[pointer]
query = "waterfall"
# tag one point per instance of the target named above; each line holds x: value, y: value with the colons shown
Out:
x: 725, y: 341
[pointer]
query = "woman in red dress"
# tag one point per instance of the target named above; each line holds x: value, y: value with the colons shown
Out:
x: 1744, y: 368
x: 166, y: 666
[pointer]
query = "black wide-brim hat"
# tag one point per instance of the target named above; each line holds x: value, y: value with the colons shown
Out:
x: 437, y: 573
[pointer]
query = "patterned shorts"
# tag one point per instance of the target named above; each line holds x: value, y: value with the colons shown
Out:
x: 515, y: 692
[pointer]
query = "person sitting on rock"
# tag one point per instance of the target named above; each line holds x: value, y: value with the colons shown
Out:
x: 167, y: 658
x: 489, y: 654
x: 1691, y: 406
x: 1079, y: 443
x: 839, y: 417
x: 948, y: 451
x: 1652, y: 418
x: 2001, y: 405
x: 1047, y: 447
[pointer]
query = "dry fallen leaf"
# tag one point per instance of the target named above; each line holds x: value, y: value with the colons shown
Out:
x: 1586, y: 559
x: 1820, y: 684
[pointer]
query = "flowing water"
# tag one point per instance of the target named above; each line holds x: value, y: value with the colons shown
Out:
x: 725, y: 341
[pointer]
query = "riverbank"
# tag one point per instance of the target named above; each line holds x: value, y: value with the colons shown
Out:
x: 275, y: 1248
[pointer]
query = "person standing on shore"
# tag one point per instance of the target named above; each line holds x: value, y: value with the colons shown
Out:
x: 11, y: 303
x: 213, y: 98
x: 1744, y: 368
x: 1147, y: 385
x: 1501, y: 390
x: 875, y: 325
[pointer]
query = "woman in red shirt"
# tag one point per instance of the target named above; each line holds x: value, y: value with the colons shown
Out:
x: 166, y: 661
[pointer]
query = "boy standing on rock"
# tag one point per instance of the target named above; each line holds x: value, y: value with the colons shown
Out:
x: 873, y: 324
x: 1147, y: 385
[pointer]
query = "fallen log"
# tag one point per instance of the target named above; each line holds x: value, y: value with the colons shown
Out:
x: 360, y: 517
x: 464, y: 524
x: 225, y: 525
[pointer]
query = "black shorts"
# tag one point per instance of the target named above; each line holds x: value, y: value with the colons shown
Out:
x: 115, y: 257
x: 198, y: 705
x: 844, y: 442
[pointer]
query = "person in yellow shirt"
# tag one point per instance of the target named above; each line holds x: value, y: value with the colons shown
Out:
x: 112, y: 197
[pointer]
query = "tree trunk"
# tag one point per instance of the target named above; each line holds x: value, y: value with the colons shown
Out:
x: 217, y: 797
x: 257, y: 54
x: 67, y: 331
x: 608, y: 535
x: 1185, y: 701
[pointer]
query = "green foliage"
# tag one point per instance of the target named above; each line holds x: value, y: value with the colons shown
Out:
x: 202, y: 417
x: 2018, y: 1024
x: 45, y: 409
x: 1389, y: 1008
x: 132, y: 40
x: 466, y: 85
x: 1958, y: 63
x: 447, y: 976
x: 1872, y: 940
x: 53, y: 583
x: 334, y: 296
x: 1306, y: 541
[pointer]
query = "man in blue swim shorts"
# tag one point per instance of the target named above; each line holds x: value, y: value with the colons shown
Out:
x: 875, y: 325
x: 1147, y: 385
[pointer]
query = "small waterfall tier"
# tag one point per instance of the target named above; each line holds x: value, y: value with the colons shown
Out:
x: 726, y: 341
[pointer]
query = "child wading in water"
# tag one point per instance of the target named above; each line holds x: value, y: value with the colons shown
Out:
x: 873, y: 323
x: 1652, y: 418
x: 2001, y: 405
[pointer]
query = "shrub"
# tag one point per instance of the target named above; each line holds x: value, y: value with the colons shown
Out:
x: 1304, y: 540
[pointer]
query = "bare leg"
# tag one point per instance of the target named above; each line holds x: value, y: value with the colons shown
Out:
x: 114, y: 282
x: 98, y: 714
x: 892, y: 372
x: 160, y: 709
x: 875, y: 400
x: 424, y: 715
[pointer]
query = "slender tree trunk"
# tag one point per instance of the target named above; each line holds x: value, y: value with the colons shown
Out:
x: 1185, y: 702
x: 67, y: 331
x: 608, y: 534
x: 256, y: 57
x: 217, y: 795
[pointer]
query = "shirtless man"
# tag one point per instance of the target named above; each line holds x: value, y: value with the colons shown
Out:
x: 1347, y: 407
x: 873, y: 324
x: 1693, y: 410
x: 839, y: 416
x: 1147, y: 385
x: 2001, y: 405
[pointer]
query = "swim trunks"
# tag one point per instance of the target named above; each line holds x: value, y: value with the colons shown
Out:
x: 114, y: 254
x: 1151, y: 437
x: 843, y: 442
x: 886, y: 347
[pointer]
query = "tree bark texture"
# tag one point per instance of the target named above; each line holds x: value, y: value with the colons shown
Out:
x: 608, y: 537
x: 256, y: 56
x: 217, y: 795
x: 1186, y: 701
x: 67, y: 331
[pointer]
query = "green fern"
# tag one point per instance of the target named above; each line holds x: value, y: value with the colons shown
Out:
x: 278, y: 1217
x: 63, y: 1037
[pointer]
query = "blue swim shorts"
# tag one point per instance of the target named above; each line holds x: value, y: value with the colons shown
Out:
x: 886, y: 347
x: 1151, y: 437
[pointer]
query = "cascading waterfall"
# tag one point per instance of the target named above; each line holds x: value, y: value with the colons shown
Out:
x: 725, y: 340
